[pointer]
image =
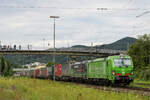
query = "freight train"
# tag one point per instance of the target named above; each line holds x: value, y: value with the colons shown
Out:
x: 111, y: 70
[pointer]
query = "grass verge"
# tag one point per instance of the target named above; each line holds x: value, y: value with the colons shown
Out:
x: 35, y: 89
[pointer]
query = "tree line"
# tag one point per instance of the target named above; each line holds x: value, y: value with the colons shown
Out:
x: 140, y: 53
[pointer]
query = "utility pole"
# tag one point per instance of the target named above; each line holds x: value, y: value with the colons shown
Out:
x: 0, y: 46
x: 54, y: 55
x: 128, y: 45
x: 68, y: 55
x: 149, y: 56
x: 43, y: 43
x: 96, y: 48
x: 91, y: 46
x: 91, y: 49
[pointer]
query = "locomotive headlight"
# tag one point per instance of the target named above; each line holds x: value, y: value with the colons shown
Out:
x: 113, y: 72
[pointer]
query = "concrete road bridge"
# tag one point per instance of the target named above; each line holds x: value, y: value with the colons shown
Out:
x: 71, y: 52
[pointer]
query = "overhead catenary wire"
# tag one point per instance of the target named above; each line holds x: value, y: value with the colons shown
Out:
x: 69, y: 8
x: 129, y: 3
x: 146, y: 12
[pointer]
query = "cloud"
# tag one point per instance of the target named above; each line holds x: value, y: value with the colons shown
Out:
x: 80, y: 22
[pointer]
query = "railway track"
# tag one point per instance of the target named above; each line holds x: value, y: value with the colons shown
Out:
x: 118, y: 89
x: 128, y: 89
x: 143, y: 84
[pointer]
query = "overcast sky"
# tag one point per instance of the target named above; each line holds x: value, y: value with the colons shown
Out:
x: 81, y: 21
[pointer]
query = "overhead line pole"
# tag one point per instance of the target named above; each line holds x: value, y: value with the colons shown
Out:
x: 54, y: 55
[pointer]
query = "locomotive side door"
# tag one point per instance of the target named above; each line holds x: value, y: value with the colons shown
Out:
x: 109, y: 69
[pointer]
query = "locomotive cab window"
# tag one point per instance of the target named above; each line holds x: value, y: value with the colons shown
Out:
x: 118, y: 62
x: 122, y: 62
x: 127, y: 62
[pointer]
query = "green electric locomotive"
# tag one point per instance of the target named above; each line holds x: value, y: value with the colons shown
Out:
x: 110, y: 70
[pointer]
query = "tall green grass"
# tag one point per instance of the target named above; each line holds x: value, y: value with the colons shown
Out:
x: 142, y: 81
x: 35, y: 89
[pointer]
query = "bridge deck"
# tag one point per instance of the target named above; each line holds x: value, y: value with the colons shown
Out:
x: 57, y: 52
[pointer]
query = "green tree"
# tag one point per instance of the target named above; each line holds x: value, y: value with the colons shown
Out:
x: 140, y: 53
x: 10, y: 66
x: 50, y: 63
x: 5, y: 67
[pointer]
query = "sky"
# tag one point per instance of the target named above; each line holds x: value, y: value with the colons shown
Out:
x: 81, y: 22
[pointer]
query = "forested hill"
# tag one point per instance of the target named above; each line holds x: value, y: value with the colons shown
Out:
x: 122, y: 44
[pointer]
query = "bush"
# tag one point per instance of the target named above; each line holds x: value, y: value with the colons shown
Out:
x: 143, y: 74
